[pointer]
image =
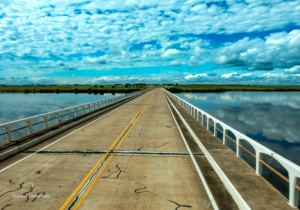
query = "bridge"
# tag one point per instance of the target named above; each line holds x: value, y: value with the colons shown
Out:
x: 144, y: 150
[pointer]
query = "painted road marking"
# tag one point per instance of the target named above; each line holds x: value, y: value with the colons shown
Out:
x: 90, y: 180
x: 211, y: 197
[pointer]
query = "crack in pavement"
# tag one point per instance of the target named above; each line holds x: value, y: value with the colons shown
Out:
x: 139, y: 190
x: 136, y: 191
x: 13, y: 190
x: 37, y: 196
x: 28, y: 192
x: 178, y: 205
x: 153, y: 147
x: 120, y: 171
x: 5, y: 206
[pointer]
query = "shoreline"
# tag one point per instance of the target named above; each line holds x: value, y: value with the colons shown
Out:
x: 90, y: 89
x: 226, y: 88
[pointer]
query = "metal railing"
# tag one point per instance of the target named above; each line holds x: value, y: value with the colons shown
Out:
x: 76, y: 109
x: 260, y: 150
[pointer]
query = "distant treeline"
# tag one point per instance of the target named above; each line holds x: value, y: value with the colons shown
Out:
x: 94, y: 91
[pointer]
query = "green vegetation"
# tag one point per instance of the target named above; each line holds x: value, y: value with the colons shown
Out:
x: 223, y: 88
x: 95, y: 89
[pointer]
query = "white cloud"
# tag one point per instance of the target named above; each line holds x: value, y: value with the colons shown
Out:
x: 135, y: 33
x: 195, y: 77
x: 293, y: 70
x: 194, y: 62
x: 229, y: 75
x: 171, y: 53
x: 279, y: 50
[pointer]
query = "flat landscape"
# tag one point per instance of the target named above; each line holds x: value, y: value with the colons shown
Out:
x: 132, y: 88
x: 223, y: 88
x: 73, y: 89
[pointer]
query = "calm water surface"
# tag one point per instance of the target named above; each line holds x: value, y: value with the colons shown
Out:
x: 18, y: 106
x: 270, y: 118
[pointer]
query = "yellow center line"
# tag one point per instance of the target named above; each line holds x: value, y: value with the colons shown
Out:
x: 72, y: 196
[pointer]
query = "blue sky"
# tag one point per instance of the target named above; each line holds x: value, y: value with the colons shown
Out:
x: 150, y: 41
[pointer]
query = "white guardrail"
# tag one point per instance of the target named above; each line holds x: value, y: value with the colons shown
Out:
x: 260, y: 150
x: 80, y: 108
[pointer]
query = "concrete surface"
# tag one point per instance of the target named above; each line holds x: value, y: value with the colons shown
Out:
x: 152, y: 169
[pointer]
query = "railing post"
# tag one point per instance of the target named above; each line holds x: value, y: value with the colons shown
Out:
x: 29, y: 126
x: 76, y: 112
x: 293, y: 193
x: 202, y: 121
x: 238, y: 148
x: 58, y: 116
x: 259, y: 165
x: 197, y: 115
x: 89, y: 106
x: 225, y: 133
x: 207, y: 123
x: 46, y: 121
x: 68, y: 116
x: 216, y: 130
x: 8, y: 135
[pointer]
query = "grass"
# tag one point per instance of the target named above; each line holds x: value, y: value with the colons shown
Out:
x: 72, y: 89
x: 223, y: 88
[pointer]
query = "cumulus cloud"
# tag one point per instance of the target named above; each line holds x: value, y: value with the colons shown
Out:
x: 194, y: 62
x: 74, y: 35
x: 171, y: 53
x: 278, y: 50
x: 293, y: 70
x: 195, y: 77
x: 229, y: 75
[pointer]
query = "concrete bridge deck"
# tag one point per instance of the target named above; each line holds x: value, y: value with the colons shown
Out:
x: 146, y: 165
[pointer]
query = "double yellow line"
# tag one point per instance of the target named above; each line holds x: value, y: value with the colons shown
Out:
x: 111, y: 149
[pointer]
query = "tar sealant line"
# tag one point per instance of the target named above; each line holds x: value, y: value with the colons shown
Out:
x: 229, y: 186
x: 210, y: 196
x: 120, y: 153
x: 59, y: 139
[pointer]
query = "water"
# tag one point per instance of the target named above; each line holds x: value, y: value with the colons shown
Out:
x: 270, y: 118
x: 19, y: 106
